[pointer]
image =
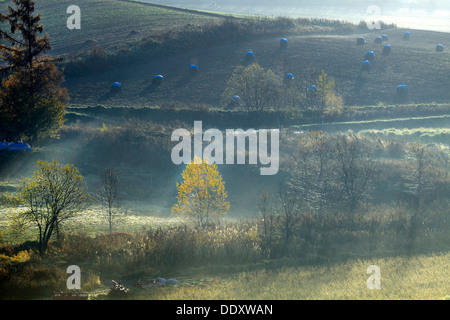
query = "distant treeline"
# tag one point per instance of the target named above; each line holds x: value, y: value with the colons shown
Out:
x: 190, y: 37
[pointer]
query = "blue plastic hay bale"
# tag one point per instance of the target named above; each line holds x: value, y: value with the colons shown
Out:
x: 401, y: 93
x: 370, y: 56
x: 288, y: 77
x: 157, y: 79
x: 161, y: 280
x: 20, y: 146
x: 360, y: 41
x: 387, y: 49
x: 283, y: 42
x: 116, y: 86
x: 311, y: 88
x: 235, y: 100
x: 401, y: 90
x: 193, y: 68
x: 407, y: 35
x: 14, y: 146
x: 249, y: 55
x: 378, y: 40
x: 439, y: 48
x: 366, y: 65
x: 385, y: 37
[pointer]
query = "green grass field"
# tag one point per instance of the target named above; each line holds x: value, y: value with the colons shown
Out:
x: 121, y: 23
x: 420, y: 277
x: 109, y: 23
x: 424, y: 71
x: 404, y: 276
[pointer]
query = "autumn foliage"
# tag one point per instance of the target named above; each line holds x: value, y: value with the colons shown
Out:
x: 32, y: 103
x: 202, y: 193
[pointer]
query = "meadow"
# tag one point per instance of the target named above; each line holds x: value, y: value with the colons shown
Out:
x: 402, y: 278
x: 109, y: 24
x: 150, y: 241
x: 258, y: 250
x: 226, y: 264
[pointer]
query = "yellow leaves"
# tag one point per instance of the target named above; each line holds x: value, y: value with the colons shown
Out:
x: 325, y: 85
x: 21, y: 256
x: 104, y: 128
x: 202, y: 192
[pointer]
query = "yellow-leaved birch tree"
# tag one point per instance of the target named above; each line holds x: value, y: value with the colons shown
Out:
x: 201, y: 194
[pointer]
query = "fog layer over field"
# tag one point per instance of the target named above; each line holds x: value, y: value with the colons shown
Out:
x: 417, y: 14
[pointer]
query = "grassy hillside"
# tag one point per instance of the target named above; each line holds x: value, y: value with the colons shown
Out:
x: 419, y: 277
x: 261, y: 249
x: 414, y: 63
x: 109, y: 22
x: 116, y: 23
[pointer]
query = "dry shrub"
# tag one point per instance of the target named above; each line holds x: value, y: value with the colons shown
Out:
x: 161, y: 249
x: 24, y: 276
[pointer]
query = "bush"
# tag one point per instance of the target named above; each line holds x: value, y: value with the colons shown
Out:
x: 165, y: 249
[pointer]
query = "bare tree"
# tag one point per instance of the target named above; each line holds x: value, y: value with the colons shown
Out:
x: 109, y: 197
x: 268, y: 221
x: 278, y: 219
x: 312, y: 174
x: 290, y: 213
x: 417, y: 182
x: 354, y: 173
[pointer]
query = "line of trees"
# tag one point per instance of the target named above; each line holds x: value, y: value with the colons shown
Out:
x: 331, y: 182
x: 339, y: 172
x: 329, y: 174
x: 57, y: 193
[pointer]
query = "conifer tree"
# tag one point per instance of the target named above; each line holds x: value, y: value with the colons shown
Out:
x: 32, y: 102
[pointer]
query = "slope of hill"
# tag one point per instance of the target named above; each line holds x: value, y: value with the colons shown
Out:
x: 425, y: 14
x: 413, y: 63
x: 109, y: 22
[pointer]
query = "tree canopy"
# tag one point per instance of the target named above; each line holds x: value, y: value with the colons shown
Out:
x: 257, y: 88
x: 53, y: 195
x: 202, y: 193
x: 32, y: 102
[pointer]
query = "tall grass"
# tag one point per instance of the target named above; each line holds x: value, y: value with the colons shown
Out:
x: 320, y: 242
x: 419, y: 277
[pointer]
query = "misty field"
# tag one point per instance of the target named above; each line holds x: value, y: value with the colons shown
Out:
x: 402, y: 278
x: 255, y: 251
x: 225, y: 263
x: 363, y: 172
